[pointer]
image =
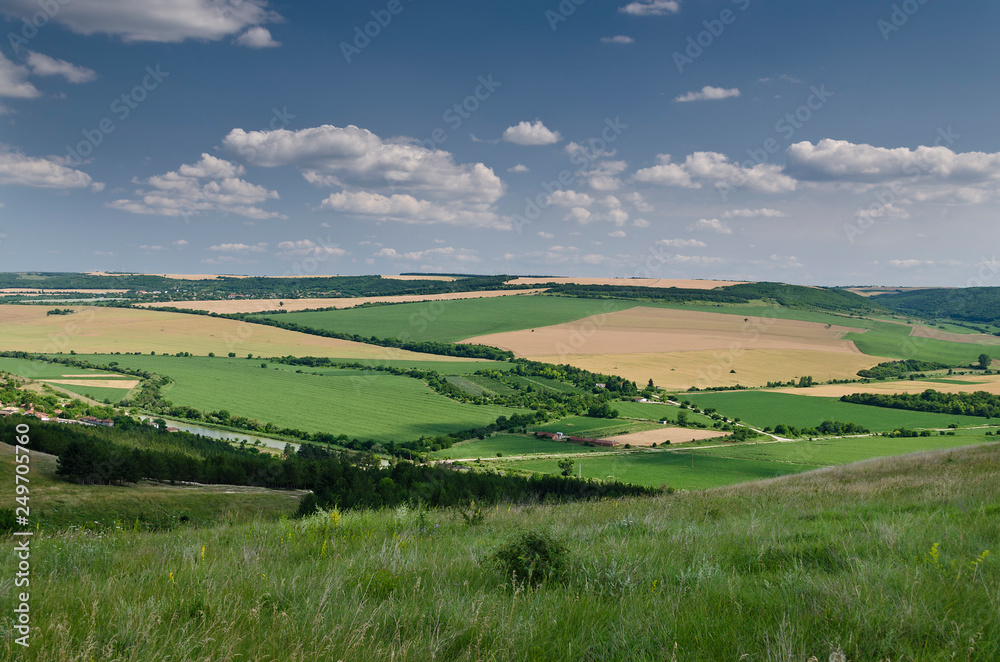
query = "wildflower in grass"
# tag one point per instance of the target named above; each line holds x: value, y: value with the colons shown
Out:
x: 202, y: 552
x: 172, y: 578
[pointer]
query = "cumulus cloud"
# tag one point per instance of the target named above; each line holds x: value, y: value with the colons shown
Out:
x: 239, y: 248
x: 161, y: 21
x: 651, y: 7
x: 257, y: 37
x: 682, y: 243
x: 210, y: 185
x: 618, y: 234
x: 716, y: 168
x: 842, y: 161
x: 711, y: 225
x: 14, y: 81
x: 638, y: 202
x: 618, y: 39
x: 451, y: 253
x: 754, y: 213
x: 531, y: 133
x: 546, y: 235
x: 604, y: 175
x: 520, y: 167
x: 570, y: 198
x: 43, y: 65
x: 381, y: 179
x: 708, y: 93
x: 692, y: 259
x: 640, y: 223
x: 16, y: 168
x: 308, y: 248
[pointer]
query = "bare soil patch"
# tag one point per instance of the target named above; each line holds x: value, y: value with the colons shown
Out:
x: 673, y: 435
x: 968, y: 338
x: 96, y: 383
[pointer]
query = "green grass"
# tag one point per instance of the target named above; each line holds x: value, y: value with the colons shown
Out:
x: 677, y: 469
x: 868, y: 562
x: 456, y: 319
x: 442, y: 367
x: 96, y: 393
x: 594, y: 427
x: 363, y: 405
x: 42, y: 370
x: 894, y: 341
x: 510, y: 444
x: 831, y: 452
x: 762, y: 408
x: 57, y: 504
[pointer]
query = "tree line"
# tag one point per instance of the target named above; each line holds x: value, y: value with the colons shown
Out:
x: 979, y: 403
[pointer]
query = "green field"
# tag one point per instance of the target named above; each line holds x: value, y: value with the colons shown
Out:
x: 96, y: 393
x: 57, y: 504
x: 44, y: 370
x: 762, y: 408
x: 442, y: 367
x: 456, y: 319
x: 894, y: 341
x: 510, y: 444
x: 363, y: 405
x: 681, y: 470
x: 830, y: 452
x: 594, y: 427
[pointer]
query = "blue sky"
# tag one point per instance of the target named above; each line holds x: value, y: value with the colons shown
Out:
x: 816, y: 143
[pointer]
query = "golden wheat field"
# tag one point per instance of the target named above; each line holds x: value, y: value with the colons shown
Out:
x: 103, y: 330
x: 264, y: 305
x: 946, y: 384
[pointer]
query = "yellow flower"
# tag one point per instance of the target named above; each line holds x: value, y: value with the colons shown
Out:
x: 202, y: 552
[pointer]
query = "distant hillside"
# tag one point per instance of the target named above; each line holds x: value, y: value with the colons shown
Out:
x: 791, y: 296
x: 971, y: 304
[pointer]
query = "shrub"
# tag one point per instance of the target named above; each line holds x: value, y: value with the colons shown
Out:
x: 533, y: 558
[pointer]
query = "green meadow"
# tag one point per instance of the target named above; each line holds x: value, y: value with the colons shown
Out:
x: 360, y: 404
x: 456, y: 319
x: 510, y: 444
x: 763, y: 408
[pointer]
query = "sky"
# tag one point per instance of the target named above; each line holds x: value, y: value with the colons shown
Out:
x: 847, y: 143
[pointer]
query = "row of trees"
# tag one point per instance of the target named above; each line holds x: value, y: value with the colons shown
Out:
x: 979, y: 403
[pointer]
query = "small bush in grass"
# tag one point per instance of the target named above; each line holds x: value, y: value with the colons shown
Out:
x: 533, y: 557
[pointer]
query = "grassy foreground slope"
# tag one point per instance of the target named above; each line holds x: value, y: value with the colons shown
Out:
x: 882, y: 560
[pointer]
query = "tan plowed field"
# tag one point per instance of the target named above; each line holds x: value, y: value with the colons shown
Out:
x: 105, y: 330
x: 264, y: 305
x: 681, y: 348
x: 653, y: 330
x: 631, y: 282
x: 96, y: 383
x: 673, y: 435
x: 968, y: 338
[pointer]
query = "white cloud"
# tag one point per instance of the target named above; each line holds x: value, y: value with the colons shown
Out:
x: 618, y: 39
x: 145, y: 247
x: 570, y: 198
x: 715, y: 167
x: 693, y: 259
x: 14, y: 81
x: 546, y: 235
x: 531, y: 133
x: 638, y: 202
x: 257, y: 37
x: 604, y: 175
x: 651, y: 7
x: 43, y: 65
x: 239, y: 248
x: 518, y: 168
x: 211, y: 185
x: 708, y: 93
x: 842, y: 161
x: 307, y: 248
x: 159, y: 21
x: 754, y: 213
x: 180, y: 242
x: 711, y: 225
x: 16, y: 168
x: 640, y: 223
x: 456, y: 254
x: 682, y: 243
x: 397, y: 176
x: 617, y: 234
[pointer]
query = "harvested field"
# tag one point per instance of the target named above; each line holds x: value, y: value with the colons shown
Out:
x: 754, y: 367
x: 420, y: 277
x: 969, y: 338
x: 966, y: 383
x: 648, y: 330
x: 630, y: 282
x: 264, y: 305
x: 96, y: 383
x: 672, y: 435
x: 95, y: 330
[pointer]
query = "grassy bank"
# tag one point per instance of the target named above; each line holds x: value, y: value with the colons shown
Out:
x: 881, y: 560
